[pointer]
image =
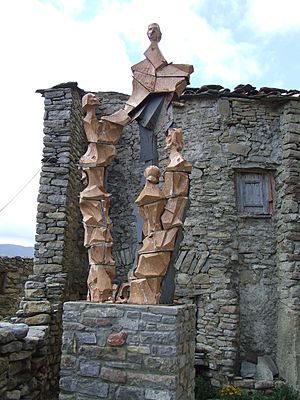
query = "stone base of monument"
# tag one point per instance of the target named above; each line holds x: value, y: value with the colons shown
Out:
x: 127, y: 352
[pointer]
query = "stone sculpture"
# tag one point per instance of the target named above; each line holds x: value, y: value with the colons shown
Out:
x: 94, y: 200
x: 163, y: 213
x: 155, y: 84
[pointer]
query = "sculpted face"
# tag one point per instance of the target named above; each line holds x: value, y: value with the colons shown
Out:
x: 90, y: 99
x: 152, y: 174
x: 175, y: 139
x: 154, y: 33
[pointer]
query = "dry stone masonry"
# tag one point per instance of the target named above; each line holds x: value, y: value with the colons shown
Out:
x: 117, y: 352
x: 23, y: 359
x: 14, y: 272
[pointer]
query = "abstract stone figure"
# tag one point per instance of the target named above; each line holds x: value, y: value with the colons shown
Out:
x: 89, y: 103
x: 176, y: 190
x: 155, y: 75
x: 97, y: 155
x: 162, y: 223
x: 151, y: 201
x: 155, y: 84
x: 94, y: 189
x: 99, y: 283
x: 94, y: 200
x: 174, y: 142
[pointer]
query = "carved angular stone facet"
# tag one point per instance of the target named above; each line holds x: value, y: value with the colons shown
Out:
x: 176, y: 184
x: 94, y: 190
x: 174, y: 139
x: 151, y: 191
x: 142, y: 293
x: 90, y: 121
x: 151, y: 214
x: 100, y: 283
x: 146, y: 81
x: 178, y: 163
x: 144, y: 67
x: 123, y: 293
x: 174, y: 142
x: 152, y: 265
x: 150, y: 194
x: 95, y: 212
x: 101, y: 254
x: 159, y: 241
x: 97, y: 155
x: 91, y: 212
x: 174, y: 212
x: 180, y: 87
x: 109, y: 132
x: 169, y: 84
x: 139, y: 93
x: 94, y: 235
x: 175, y: 70
x: 154, y: 55
x: 119, y: 117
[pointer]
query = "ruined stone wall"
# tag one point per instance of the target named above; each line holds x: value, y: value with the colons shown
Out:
x: 60, y: 267
x: 227, y: 264
x: 14, y: 272
x: 288, y: 239
x: 23, y: 361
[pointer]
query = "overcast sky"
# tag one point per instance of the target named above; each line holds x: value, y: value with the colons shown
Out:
x: 94, y: 42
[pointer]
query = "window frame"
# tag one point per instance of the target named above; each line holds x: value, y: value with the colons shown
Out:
x: 267, y: 179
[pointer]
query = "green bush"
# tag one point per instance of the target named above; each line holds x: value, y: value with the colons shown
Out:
x: 204, y: 391
x: 285, y: 392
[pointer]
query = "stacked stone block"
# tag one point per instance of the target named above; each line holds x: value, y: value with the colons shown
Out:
x: 15, y: 272
x: 60, y: 267
x: 131, y: 352
x: 22, y: 361
x: 288, y: 244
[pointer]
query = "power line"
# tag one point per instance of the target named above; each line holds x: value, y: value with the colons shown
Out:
x: 20, y: 191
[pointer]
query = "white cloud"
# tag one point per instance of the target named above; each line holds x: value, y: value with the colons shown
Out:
x: 69, y: 7
x: 43, y: 45
x: 187, y: 38
x: 273, y: 16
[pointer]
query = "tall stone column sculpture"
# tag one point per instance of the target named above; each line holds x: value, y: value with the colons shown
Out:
x: 163, y: 213
x: 155, y: 84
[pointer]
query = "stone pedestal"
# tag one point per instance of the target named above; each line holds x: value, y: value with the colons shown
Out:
x: 122, y: 352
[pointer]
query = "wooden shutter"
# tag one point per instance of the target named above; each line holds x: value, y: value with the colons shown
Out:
x: 252, y: 193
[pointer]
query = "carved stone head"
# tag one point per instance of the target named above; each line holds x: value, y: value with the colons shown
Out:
x: 154, y: 33
x: 90, y: 99
x: 152, y: 174
x: 174, y: 139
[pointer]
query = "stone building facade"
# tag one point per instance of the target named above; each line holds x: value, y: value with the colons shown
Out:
x: 239, y: 261
x: 14, y: 272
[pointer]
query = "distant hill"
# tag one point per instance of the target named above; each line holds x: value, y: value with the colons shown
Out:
x: 13, y: 250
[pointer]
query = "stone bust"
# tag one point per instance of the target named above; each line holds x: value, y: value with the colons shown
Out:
x: 154, y: 33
